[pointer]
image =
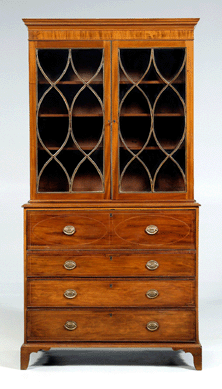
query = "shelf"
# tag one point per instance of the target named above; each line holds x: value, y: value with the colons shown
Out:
x: 57, y: 115
x: 154, y: 82
x: 42, y: 115
x: 127, y: 82
x: 45, y: 82
x: 147, y: 114
x: 132, y: 147
x: 71, y: 148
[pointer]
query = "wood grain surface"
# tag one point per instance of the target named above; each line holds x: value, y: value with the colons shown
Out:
x: 108, y: 325
x: 112, y: 264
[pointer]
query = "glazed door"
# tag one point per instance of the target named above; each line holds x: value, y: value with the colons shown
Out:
x: 152, y: 127
x: 72, y: 122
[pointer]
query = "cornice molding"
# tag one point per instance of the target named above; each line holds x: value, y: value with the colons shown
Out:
x: 175, y: 23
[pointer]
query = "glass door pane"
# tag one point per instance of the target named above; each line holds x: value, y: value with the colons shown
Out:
x: 151, y: 120
x: 71, y: 120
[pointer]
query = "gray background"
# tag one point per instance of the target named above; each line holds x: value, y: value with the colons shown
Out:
x: 14, y: 184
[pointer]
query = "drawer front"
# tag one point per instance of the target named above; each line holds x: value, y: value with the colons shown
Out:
x: 154, y: 229
x: 169, y: 264
x: 112, y: 293
x: 117, y: 230
x: 51, y: 229
x: 108, y: 325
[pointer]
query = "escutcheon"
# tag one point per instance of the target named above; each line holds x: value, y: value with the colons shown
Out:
x: 70, y: 325
x: 151, y: 229
x: 152, y: 326
x: 152, y: 265
x: 70, y: 293
x: 69, y: 230
x: 69, y: 265
x: 152, y: 293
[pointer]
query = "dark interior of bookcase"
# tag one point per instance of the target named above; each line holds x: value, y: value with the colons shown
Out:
x: 152, y: 120
x: 70, y: 120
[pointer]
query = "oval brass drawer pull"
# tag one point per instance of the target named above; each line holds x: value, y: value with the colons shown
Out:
x: 152, y: 326
x: 69, y: 265
x: 70, y: 293
x: 152, y: 293
x: 69, y: 230
x: 70, y: 325
x: 152, y: 265
x: 151, y: 230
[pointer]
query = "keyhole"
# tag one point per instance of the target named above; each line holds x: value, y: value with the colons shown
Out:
x: 111, y: 285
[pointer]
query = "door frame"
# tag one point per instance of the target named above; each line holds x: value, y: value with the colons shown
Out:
x: 67, y: 196
x: 155, y: 196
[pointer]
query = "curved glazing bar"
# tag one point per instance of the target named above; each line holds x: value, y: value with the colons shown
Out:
x: 67, y: 88
x: 163, y: 99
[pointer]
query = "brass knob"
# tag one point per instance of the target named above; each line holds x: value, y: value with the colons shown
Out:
x: 69, y: 265
x: 69, y: 230
x: 151, y: 230
x: 152, y: 326
x: 70, y: 293
x: 152, y: 265
x: 152, y: 293
x: 70, y: 325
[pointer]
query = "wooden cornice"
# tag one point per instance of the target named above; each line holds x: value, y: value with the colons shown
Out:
x: 175, y: 23
x: 110, y: 29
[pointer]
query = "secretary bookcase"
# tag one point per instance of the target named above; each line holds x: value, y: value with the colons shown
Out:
x: 111, y: 228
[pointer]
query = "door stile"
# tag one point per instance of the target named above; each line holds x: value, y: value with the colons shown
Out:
x: 190, y: 120
x: 115, y: 124
x: 108, y: 123
x: 32, y: 105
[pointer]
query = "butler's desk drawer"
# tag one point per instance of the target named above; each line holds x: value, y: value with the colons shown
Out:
x: 68, y: 229
x: 111, y: 325
x: 157, y: 229
x: 154, y: 229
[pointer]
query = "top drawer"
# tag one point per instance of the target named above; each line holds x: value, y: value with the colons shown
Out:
x: 154, y: 229
x: 111, y: 229
x: 52, y: 229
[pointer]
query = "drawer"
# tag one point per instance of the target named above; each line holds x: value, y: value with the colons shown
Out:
x: 47, y: 229
x: 112, y: 293
x: 152, y: 264
x: 174, y: 229
x: 111, y: 325
x: 154, y: 229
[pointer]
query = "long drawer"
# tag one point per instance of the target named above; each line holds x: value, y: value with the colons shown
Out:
x: 154, y: 264
x: 107, y: 325
x: 117, y: 229
x: 112, y: 293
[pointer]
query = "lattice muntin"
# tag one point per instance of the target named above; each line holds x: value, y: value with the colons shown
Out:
x: 58, y: 87
x: 152, y: 157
